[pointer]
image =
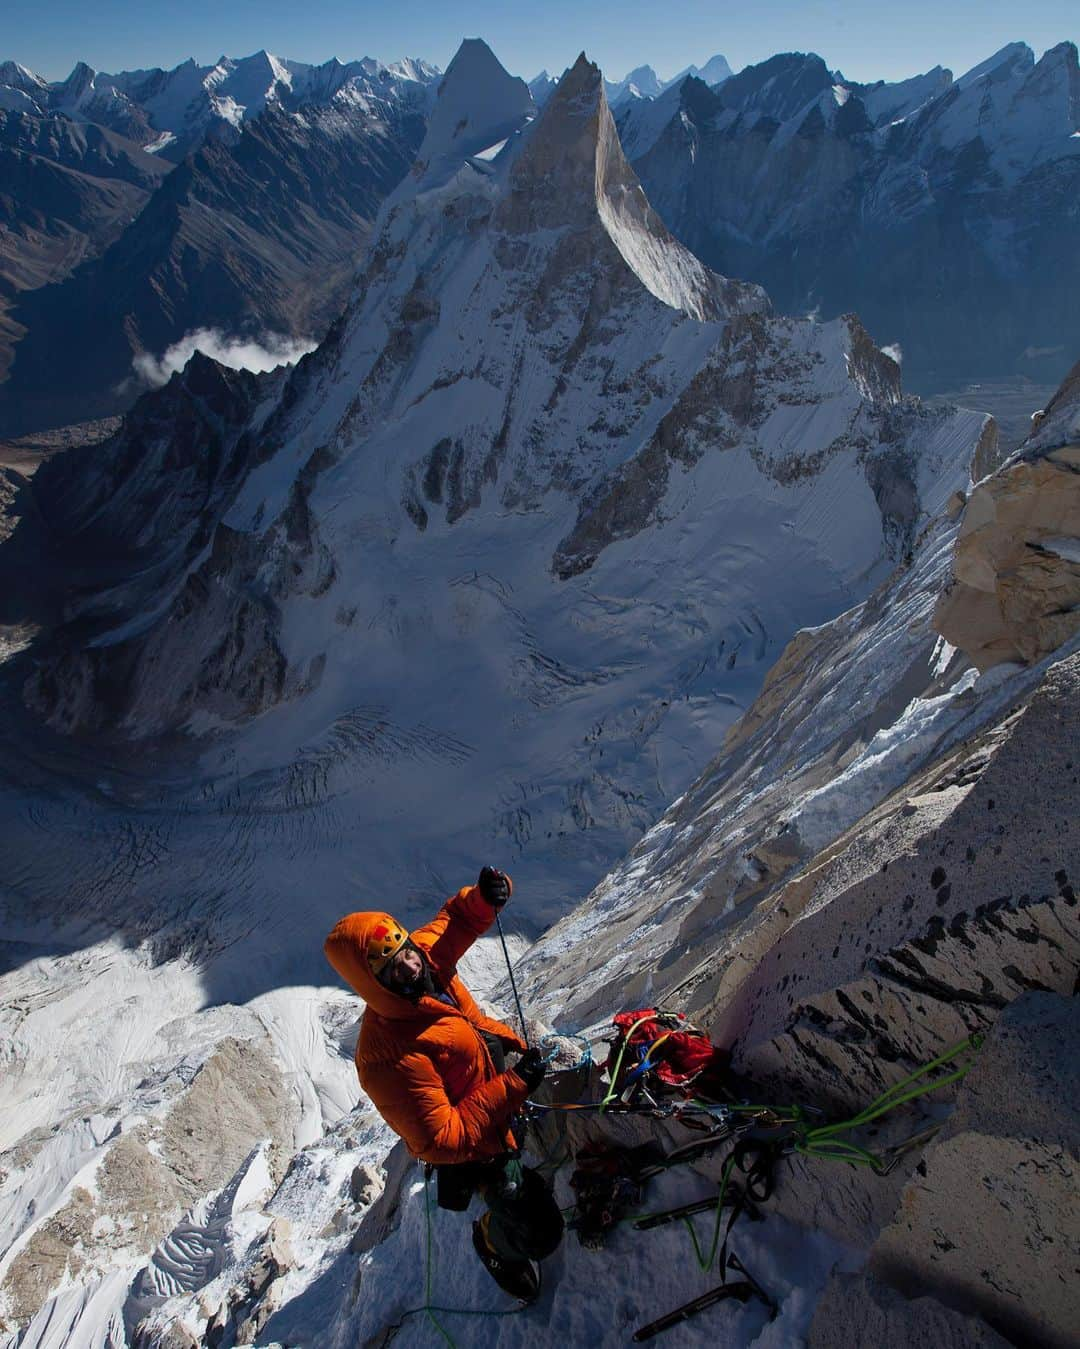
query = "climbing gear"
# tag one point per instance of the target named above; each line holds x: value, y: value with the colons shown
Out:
x: 607, y: 1182
x: 519, y: 1278
x: 531, y: 1068
x: 385, y: 940
x: 762, y: 1138
x: 584, y: 1061
x: 670, y: 1054
x: 513, y: 985
x: 825, y: 1141
x: 743, y: 1292
x: 670, y: 1215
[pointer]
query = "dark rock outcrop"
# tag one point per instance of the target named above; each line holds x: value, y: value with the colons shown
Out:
x: 988, y: 1223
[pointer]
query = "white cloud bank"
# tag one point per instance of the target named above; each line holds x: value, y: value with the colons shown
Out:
x: 239, y: 353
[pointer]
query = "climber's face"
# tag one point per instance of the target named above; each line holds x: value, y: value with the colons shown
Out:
x: 403, y: 972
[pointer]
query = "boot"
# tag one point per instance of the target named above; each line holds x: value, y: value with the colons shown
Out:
x: 519, y: 1278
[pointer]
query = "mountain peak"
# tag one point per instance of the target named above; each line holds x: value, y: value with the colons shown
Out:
x: 1013, y: 54
x: 81, y: 77
x: 782, y: 87
x: 554, y: 181
x: 642, y: 82
x: 715, y: 70
x: 479, y: 103
x: 19, y: 77
x: 572, y: 174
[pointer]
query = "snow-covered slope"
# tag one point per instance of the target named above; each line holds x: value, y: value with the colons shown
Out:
x: 860, y: 723
x: 940, y: 210
x: 478, y: 108
x: 487, y: 576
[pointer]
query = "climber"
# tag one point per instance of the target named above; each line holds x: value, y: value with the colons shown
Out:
x: 435, y: 1068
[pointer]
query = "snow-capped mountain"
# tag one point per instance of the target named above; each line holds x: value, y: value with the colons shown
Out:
x: 644, y: 83
x: 20, y: 89
x: 541, y: 87
x: 256, y: 231
x: 171, y: 111
x: 490, y: 575
x: 941, y: 210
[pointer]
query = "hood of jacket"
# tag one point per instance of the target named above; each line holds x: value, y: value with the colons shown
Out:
x: 346, y: 949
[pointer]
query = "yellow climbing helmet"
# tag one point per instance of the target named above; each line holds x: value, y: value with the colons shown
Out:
x: 385, y: 940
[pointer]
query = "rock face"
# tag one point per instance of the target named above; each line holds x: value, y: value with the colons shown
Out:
x: 198, y: 433
x: 940, y: 209
x: 989, y: 1222
x: 874, y: 870
x: 1015, y: 588
x: 153, y: 1171
x: 940, y: 909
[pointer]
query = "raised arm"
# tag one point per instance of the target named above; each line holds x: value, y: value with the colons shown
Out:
x: 464, y: 917
x: 410, y: 1096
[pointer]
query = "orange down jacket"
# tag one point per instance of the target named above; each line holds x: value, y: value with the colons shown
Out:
x: 424, y: 1064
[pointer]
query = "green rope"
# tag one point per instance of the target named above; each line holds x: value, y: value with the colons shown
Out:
x: 705, y: 1263
x: 429, y: 1308
x: 429, y: 1270
x: 823, y: 1141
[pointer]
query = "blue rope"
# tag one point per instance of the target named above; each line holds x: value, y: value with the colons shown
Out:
x: 585, y: 1061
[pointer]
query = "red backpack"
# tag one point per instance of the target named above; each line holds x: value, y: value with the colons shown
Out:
x: 660, y: 1051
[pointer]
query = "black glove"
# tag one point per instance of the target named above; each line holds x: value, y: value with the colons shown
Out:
x: 494, y: 887
x: 531, y: 1068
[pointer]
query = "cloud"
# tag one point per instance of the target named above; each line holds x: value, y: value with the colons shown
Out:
x: 239, y: 353
x: 894, y: 352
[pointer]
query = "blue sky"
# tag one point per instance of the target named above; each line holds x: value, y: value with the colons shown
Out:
x: 865, y: 40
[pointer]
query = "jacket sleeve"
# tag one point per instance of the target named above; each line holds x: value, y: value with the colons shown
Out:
x: 463, y: 918
x: 410, y: 1096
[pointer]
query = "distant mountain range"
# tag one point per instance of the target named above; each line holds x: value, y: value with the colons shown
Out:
x: 170, y: 112
x: 260, y: 226
x: 641, y: 82
x: 553, y: 515
x: 946, y: 211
